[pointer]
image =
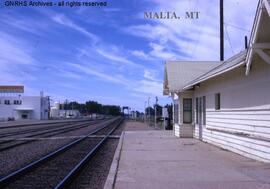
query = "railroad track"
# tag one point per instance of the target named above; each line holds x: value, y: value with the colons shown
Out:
x: 7, y: 143
x: 23, y: 125
x: 62, y: 166
x: 37, y: 128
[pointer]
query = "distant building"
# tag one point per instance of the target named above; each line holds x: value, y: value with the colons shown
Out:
x: 134, y: 115
x: 57, y: 113
x: 227, y: 103
x: 14, y: 105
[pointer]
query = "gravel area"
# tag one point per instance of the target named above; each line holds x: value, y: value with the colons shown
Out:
x: 50, y: 174
x: 30, y: 128
x: 94, y: 175
x: 49, y: 129
x: 19, y: 156
x: 59, y: 131
x: 119, y: 130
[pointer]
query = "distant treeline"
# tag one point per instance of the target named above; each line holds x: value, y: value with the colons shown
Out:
x: 90, y: 107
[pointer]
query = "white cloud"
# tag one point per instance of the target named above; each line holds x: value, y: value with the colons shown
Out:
x: 150, y: 75
x: 148, y: 87
x: 194, y: 39
x: 14, y: 51
x: 108, y: 77
x: 14, y: 54
x: 140, y: 54
x: 63, y: 20
x: 114, y: 56
x: 26, y: 23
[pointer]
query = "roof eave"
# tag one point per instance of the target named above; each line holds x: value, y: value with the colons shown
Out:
x: 253, y: 35
x: 189, y: 86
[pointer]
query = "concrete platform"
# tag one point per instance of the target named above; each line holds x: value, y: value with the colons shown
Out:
x: 157, y: 159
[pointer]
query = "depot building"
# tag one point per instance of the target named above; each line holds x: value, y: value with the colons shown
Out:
x: 226, y: 103
x: 14, y: 105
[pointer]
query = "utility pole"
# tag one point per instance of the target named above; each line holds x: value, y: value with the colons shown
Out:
x: 149, y: 110
x: 145, y: 112
x: 221, y: 22
x: 65, y: 107
x: 156, y: 112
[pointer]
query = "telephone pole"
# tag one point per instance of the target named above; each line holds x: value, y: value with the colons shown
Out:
x: 156, y: 112
x: 221, y: 22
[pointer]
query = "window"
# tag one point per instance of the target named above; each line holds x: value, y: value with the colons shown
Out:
x: 197, y: 110
x: 187, y: 110
x: 17, y: 102
x: 7, y: 102
x: 217, y: 101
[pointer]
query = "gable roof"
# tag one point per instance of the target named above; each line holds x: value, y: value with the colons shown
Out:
x: 260, y: 38
x: 179, y: 73
x: 180, y: 77
x: 230, y: 64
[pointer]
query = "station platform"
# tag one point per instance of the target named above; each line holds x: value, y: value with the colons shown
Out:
x: 156, y: 159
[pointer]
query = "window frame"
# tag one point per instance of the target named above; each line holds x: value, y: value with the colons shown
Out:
x: 217, y: 101
x: 189, y: 110
x: 7, y: 102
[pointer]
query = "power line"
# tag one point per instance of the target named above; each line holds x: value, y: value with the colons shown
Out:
x: 237, y: 27
x: 228, y: 38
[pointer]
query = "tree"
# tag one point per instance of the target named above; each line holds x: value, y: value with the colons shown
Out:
x: 90, y: 107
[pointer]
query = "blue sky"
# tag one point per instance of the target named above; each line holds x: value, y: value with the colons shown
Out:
x: 112, y: 54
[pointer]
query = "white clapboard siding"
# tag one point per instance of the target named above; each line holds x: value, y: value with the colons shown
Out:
x: 258, y: 111
x: 244, y: 115
x: 240, y: 128
x: 176, y: 130
x: 249, y: 147
x: 196, y: 132
x: 250, y: 133
x: 249, y: 122
x: 240, y: 121
x: 184, y: 131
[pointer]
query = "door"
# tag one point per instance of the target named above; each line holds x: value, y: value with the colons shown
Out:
x: 187, y: 110
x: 201, y: 115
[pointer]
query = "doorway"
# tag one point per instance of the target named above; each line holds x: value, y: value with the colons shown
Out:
x: 24, y: 116
x: 201, y: 108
